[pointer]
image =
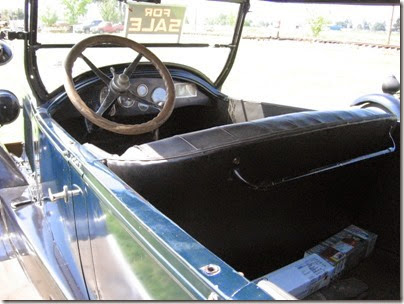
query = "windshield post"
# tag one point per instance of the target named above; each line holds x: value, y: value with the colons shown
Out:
x: 30, y: 60
x: 243, y: 10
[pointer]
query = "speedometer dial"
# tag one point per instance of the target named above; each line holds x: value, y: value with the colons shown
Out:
x: 125, y: 101
x: 142, y: 90
x: 159, y: 95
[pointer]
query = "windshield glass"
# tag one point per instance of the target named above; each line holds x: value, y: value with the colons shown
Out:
x: 318, y: 56
x: 172, y: 21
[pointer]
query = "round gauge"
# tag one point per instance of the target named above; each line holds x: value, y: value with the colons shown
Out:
x: 126, y: 102
x: 142, y: 90
x: 142, y: 107
x: 103, y: 94
x: 159, y: 95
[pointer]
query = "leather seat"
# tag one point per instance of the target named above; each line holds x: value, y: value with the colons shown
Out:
x: 266, y: 149
x: 190, y: 178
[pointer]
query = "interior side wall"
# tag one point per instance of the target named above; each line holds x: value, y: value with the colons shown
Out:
x: 241, y: 110
x: 381, y: 212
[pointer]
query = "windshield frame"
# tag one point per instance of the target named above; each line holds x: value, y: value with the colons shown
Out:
x: 31, y: 46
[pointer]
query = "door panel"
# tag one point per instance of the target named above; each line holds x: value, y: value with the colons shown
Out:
x: 82, y: 230
x: 55, y: 173
x: 123, y: 269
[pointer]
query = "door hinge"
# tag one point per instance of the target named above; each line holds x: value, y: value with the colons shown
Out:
x: 9, y: 35
x: 73, y: 162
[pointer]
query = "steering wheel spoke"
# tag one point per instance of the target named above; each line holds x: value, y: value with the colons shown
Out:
x: 107, y: 102
x: 96, y: 71
x: 143, y: 101
x: 132, y: 67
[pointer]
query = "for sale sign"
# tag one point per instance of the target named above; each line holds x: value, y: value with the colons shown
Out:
x: 155, y: 19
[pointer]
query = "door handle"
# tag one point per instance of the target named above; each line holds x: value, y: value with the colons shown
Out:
x: 65, y: 194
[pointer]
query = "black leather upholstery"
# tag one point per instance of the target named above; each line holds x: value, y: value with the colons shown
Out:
x: 264, y: 151
x: 297, y: 141
x: 189, y: 178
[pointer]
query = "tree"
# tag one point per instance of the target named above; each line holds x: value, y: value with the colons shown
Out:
x: 4, y: 15
x: 347, y: 23
x: 342, y: 24
x: 379, y: 26
x: 317, y: 24
x: 50, y: 17
x: 74, y: 9
x: 17, y: 14
x: 109, y: 11
x: 396, y: 25
x: 248, y: 22
x: 263, y: 23
x: 366, y: 25
x: 223, y: 19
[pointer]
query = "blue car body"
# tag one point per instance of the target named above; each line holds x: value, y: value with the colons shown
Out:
x: 105, y: 241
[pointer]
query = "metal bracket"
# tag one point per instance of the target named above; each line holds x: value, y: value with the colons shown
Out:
x: 21, y: 202
x: 26, y: 199
x: 65, y: 194
x: 16, y: 35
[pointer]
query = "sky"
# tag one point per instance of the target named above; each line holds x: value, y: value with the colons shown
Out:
x: 301, y: 12
x: 264, y: 10
x: 13, y: 4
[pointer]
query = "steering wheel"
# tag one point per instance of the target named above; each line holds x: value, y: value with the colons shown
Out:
x: 118, y: 86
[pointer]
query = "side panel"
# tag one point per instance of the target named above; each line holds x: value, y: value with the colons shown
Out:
x: 80, y: 205
x: 108, y: 250
x: 117, y: 253
x: 128, y: 249
x: 55, y: 174
x: 52, y: 225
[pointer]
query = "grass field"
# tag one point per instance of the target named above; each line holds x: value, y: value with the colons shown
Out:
x: 303, y: 74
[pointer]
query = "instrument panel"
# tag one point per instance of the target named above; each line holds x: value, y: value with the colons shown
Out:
x: 148, y: 95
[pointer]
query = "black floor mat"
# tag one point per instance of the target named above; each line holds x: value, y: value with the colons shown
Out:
x: 381, y: 272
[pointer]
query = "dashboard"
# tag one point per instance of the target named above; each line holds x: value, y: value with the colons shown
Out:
x: 148, y: 95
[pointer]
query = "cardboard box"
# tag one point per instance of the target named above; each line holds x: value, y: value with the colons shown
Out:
x: 302, y: 277
x: 345, y: 249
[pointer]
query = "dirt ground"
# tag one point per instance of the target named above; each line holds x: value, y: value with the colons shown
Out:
x: 303, y: 74
x: 312, y: 75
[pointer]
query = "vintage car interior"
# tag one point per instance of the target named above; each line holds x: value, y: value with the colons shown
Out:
x: 229, y: 167
x: 255, y: 183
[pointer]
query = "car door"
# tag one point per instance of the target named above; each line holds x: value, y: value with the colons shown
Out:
x: 80, y: 207
x: 109, y: 253
x: 108, y: 27
x: 52, y: 173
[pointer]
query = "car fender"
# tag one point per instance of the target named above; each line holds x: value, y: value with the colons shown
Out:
x: 385, y: 102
